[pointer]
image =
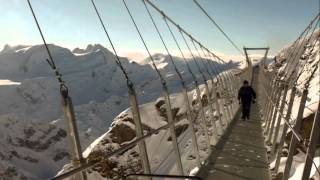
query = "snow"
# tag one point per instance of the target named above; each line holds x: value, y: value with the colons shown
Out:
x: 309, y: 60
x: 159, y: 147
x: 194, y: 171
x: 6, y: 82
x: 29, y: 95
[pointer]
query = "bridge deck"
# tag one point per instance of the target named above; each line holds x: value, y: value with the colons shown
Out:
x: 240, y: 154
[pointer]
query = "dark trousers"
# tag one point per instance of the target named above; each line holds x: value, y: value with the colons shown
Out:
x: 246, y: 110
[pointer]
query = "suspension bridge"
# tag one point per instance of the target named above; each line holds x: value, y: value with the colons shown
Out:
x: 236, y: 149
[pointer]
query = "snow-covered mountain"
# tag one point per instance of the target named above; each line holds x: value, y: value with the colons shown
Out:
x: 33, y: 140
x: 159, y: 145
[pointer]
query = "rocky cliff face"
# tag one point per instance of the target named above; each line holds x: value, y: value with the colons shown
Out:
x: 304, y: 69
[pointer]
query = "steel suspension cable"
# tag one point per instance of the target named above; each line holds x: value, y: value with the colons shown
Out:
x: 164, y: 44
x: 166, y: 96
x: 173, y: 63
x: 181, y: 52
x: 171, y: 21
x: 193, y: 57
x: 308, y: 41
x: 214, y: 67
x: 201, y: 59
x: 299, y: 37
x: 184, y: 58
x: 302, y: 48
x: 307, y: 84
x: 144, y: 43
x: 294, y: 80
x: 67, y: 105
x: 111, y: 43
x: 299, y: 41
x: 218, y: 26
x: 51, y: 62
x: 289, y: 75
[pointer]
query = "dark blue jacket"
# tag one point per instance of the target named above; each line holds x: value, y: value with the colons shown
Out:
x: 246, y: 94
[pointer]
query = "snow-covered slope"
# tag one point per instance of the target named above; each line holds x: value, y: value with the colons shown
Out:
x: 304, y: 68
x: 33, y: 140
x: 159, y: 145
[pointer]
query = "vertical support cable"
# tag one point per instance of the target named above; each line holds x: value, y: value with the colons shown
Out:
x: 165, y: 95
x: 214, y: 94
x: 314, y: 137
x: 132, y: 100
x: 209, y: 97
x: 293, y: 53
x: 276, y: 112
x: 294, y: 140
x: 188, y: 106
x: 198, y: 92
x: 277, y: 127
x: 224, y: 82
x: 184, y: 89
x: 220, y: 86
x: 285, y: 128
x: 274, y: 99
x: 67, y: 107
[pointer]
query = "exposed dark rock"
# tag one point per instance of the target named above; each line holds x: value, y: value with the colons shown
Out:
x: 110, y: 168
x: 278, y: 176
x: 179, y: 129
x: 121, y: 133
x: 61, y: 155
x: 159, y: 103
x: 9, y: 173
x: 37, y: 145
x: 29, y: 132
x: 305, y: 132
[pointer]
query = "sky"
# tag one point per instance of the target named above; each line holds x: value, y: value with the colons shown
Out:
x: 73, y: 23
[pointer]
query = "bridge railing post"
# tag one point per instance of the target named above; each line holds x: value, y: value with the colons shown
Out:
x: 272, y: 110
x: 172, y: 130
x: 233, y: 90
x: 265, y: 107
x: 211, y: 116
x: 270, y: 97
x: 191, y: 124
x: 217, y: 105
x: 311, y: 144
x: 284, y: 130
x: 294, y: 139
x: 139, y: 130
x: 225, y: 102
x: 263, y: 83
x: 76, y: 151
x: 277, y: 127
x: 273, y: 119
x: 203, y: 117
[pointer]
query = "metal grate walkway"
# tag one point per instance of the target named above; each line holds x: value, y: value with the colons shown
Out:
x: 241, y: 153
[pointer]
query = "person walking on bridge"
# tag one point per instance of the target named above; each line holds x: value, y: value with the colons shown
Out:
x: 246, y: 95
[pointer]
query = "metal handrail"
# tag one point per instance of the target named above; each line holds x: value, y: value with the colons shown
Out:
x: 87, y: 165
x: 162, y: 176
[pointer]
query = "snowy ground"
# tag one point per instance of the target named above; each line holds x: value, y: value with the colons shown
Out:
x: 159, y: 146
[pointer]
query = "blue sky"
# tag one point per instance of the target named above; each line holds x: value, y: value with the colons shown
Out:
x: 73, y: 23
